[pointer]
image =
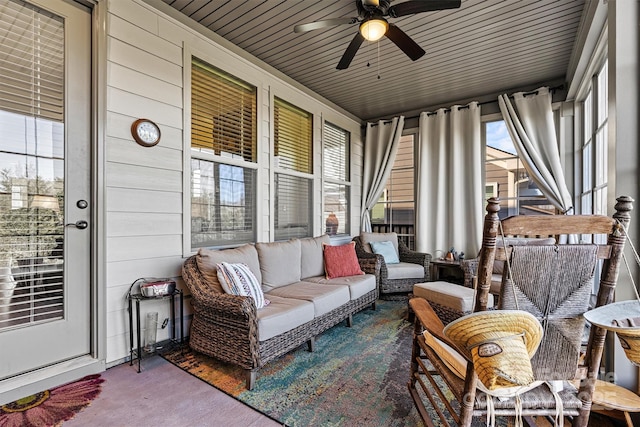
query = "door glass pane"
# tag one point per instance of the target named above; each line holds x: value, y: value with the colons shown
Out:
x: 31, y: 165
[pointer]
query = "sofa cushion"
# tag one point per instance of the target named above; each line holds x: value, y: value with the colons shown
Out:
x: 207, y: 261
x: 367, y: 238
x: 237, y: 279
x: 341, y: 261
x: 282, y: 315
x: 358, y: 285
x: 312, y: 256
x: 279, y: 263
x: 324, y: 297
x: 387, y: 250
x: 405, y: 270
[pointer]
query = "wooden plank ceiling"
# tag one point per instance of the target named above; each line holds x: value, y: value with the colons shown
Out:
x: 484, y: 47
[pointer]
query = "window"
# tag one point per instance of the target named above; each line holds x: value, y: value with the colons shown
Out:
x: 594, y: 146
x: 335, y: 165
x: 223, y: 158
x: 506, y: 177
x: 395, y: 211
x: 593, y: 197
x: 293, y: 143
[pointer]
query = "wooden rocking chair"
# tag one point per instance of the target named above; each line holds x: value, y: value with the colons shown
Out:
x: 553, y: 283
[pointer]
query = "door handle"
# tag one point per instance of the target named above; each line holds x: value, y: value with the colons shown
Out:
x: 81, y: 224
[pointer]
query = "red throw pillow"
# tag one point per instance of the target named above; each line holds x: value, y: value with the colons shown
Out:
x: 341, y: 261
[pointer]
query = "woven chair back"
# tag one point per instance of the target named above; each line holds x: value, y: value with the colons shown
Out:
x: 554, y: 284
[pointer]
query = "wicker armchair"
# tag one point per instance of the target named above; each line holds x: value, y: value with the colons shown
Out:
x: 388, y: 283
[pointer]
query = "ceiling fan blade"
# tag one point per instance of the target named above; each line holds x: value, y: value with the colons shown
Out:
x: 415, y: 6
x: 348, y: 55
x: 404, y: 42
x: 301, y: 28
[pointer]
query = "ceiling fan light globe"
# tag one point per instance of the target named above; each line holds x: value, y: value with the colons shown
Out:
x: 374, y: 29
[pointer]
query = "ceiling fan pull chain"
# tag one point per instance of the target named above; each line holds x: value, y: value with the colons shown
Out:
x: 378, y: 63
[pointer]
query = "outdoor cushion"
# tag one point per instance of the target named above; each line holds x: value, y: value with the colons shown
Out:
x: 358, y: 285
x: 207, y: 261
x: 405, y: 270
x: 456, y: 297
x: 324, y: 297
x: 279, y: 263
x: 237, y: 279
x: 387, y: 250
x: 312, y: 255
x: 282, y: 315
x: 341, y: 261
x: 367, y: 238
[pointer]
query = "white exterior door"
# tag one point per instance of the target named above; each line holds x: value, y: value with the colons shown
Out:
x: 45, y: 184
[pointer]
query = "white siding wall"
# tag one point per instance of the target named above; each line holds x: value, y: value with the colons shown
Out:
x: 145, y: 204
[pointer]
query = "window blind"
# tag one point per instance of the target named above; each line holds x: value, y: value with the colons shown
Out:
x: 293, y: 137
x: 292, y: 207
x: 32, y: 159
x: 223, y: 112
x: 335, y: 152
x: 32, y: 62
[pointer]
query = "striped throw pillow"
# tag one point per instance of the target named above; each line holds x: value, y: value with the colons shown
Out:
x: 237, y: 279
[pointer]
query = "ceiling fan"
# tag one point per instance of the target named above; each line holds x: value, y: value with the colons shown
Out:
x: 373, y: 25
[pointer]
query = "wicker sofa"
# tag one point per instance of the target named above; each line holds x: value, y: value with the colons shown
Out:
x: 303, y: 302
x: 414, y: 267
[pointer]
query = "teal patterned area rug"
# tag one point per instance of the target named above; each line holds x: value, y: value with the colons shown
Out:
x: 355, y: 377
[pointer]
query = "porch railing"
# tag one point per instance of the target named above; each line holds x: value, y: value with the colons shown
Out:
x: 406, y: 232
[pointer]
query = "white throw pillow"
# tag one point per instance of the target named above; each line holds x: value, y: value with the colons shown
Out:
x: 237, y: 279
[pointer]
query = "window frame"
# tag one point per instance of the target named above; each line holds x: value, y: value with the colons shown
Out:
x: 593, y: 142
x: 277, y: 170
x: 346, y: 182
x: 189, y: 154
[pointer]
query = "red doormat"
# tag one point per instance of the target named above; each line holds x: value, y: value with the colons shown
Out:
x: 51, y: 407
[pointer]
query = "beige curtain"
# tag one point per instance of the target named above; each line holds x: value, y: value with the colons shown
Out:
x: 449, y: 192
x: 380, y: 149
x: 533, y: 132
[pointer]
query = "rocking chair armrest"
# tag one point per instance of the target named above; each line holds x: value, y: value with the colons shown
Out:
x: 431, y: 322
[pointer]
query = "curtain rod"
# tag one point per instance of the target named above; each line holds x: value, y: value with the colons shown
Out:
x: 464, y: 107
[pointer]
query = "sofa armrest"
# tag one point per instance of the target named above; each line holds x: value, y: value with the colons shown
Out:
x: 470, y: 269
x: 226, y: 305
x: 370, y: 264
x: 206, y: 298
x: 381, y: 271
x: 224, y: 326
x: 407, y: 255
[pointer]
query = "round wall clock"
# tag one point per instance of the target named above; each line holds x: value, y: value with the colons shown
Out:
x: 145, y: 132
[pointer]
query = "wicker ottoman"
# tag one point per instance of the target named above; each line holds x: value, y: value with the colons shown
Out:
x: 448, y: 300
